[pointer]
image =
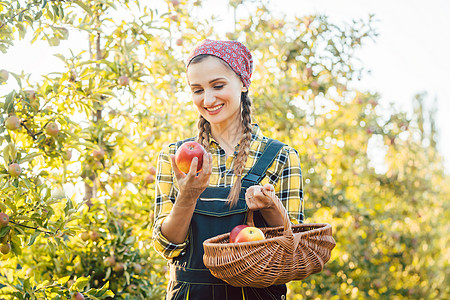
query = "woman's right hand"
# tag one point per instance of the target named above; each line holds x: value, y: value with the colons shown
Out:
x: 192, y: 185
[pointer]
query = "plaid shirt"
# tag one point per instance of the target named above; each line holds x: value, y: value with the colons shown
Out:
x: 284, y: 174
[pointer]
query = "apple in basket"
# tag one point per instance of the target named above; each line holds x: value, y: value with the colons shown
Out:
x: 249, y: 234
x: 235, y: 232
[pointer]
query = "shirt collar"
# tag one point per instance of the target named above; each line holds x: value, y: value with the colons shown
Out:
x: 256, y: 135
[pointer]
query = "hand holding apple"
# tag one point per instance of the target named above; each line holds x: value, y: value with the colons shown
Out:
x: 191, y: 184
x: 258, y: 197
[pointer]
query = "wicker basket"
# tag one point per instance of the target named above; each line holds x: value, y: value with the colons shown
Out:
x: 289, y: 252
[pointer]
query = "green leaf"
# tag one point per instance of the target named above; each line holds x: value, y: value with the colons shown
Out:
x: 81, y: 283
x: 38, y: 15
x: 85, y: 7
x: 16, y: 245
x: 4, y: 231
x: 33, y: 237
x: 29, y: 157
x: 63, y: 280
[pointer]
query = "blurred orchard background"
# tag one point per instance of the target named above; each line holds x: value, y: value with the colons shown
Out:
x: 92, y: 90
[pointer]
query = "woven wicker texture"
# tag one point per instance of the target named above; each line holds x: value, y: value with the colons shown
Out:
x: 289, y: 252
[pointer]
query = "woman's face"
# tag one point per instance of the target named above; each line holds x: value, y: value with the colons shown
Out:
x: 216, y: 91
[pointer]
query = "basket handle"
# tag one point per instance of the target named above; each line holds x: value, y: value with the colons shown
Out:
x: 286, y: 221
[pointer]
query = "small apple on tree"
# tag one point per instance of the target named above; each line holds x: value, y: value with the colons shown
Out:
x: 186, y: 152
x: 123, y: 80
x: 4, y: 220
x: 12, y: 123
x: 94, y: 236
x: 5, y: 248
x: 152, y: 170
x: 84, y: 236
x: 4, y: 75
x: 98, y: 154
x: 109, y: 261
x: 52, y: 129
x: 67, y: 154
x: 77, y: 296
x: 14, y: 169
x: 119, y: 267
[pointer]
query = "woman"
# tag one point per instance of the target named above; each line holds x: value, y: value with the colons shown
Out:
x: 240, y: 166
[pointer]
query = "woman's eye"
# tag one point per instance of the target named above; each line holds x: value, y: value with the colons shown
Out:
x: 196, y: 91
x: 218, y: 87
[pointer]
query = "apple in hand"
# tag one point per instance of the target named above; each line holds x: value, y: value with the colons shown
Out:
x: 250, y: 234
x: 236, y: 231
x: 186, y: 153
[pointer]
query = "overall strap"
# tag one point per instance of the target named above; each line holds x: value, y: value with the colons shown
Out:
x: 258, y: 171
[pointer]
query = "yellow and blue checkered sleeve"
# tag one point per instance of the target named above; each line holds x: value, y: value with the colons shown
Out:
x: 286, y: 176
x: 164, y: 198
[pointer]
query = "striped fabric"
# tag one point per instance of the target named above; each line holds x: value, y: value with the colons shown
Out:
x: 284, y: 174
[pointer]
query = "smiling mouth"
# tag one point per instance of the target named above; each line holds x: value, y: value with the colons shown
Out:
x: 215, y: 108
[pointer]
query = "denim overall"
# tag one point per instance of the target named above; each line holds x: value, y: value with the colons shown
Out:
x: 189, y: 278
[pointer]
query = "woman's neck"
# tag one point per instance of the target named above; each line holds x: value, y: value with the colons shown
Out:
x: 227, y: 136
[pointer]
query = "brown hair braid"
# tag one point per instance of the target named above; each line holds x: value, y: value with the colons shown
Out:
x: 244, y: 149
x: 204, y: 132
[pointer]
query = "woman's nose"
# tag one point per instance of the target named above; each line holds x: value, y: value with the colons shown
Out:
x: 209, y: 97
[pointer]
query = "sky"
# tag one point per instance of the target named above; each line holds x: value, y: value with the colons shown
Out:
x: 410, y: 55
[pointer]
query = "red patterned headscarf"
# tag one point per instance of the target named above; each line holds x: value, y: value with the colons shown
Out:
x: 234, y: 53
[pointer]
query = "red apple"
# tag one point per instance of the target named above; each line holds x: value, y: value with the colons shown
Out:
x: 186, y: 153
x: 77, y: 296
x: 249, y: 234
x: 98, y: 154
x: 152, y: 170
x: 52, y: 129
x: 4, y: 220
x: 94, y: 235
x: 5, y: 248
x: 109, y: 261
x: 12, y: 123
x: 119, y: 267
x: 236, y: 231
x: 123, y: 80
x: 137, y: 268
x: 149, y: 179
x: 179, y: 42
x: 14, y: 169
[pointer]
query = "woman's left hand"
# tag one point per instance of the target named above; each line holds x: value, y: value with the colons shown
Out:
x: 257, y: 197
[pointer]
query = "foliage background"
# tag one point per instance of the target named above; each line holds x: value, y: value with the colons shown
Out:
x: 391, y: 226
